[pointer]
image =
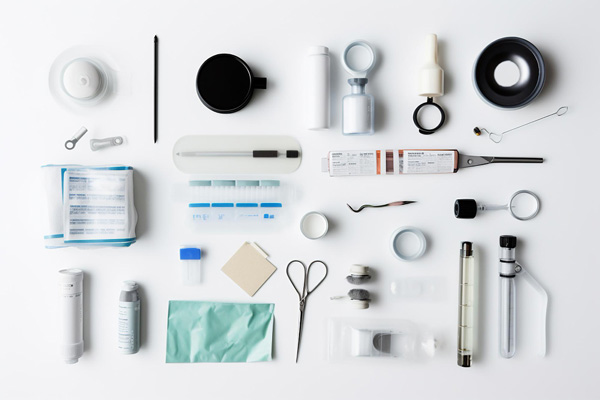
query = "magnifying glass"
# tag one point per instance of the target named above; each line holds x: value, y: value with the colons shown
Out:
x: 523, y: 205
x: 358, y: 107
x: 359, y: 58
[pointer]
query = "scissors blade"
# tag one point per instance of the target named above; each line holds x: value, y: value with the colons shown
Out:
x: 465, y: 161
x: 300, y: 326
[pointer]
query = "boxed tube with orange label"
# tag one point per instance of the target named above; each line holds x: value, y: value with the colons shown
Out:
x: 390, y: 162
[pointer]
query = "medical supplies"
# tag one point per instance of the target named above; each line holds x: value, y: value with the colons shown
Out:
x: 249, y: 268
x: 129, y: 318
x: 70, y: 144
x: 523, y: 205
x: 225, y: 83
x: 509, y: 73
x: 204, y: 331
x: 237, y: 154
x: 98, y: 144
x: 392, y: 204
x: 84, y: 76
x: 234, y: 204
x: 358, y: 107
x: 359, y: 274
x: 431, y: 85
x: 314, y: 225
x: 466, y: 305
x: 497, y: 137
x: 508, y: 269
x: 421, y: 288
x: 353, y: 339
x: 89, y: 206
x: 317, y: 87
x: 305, y: 291
x: 155, y: 88
x: 191, y: 273
x: 408, y: 243
x: 70, y: 286
x: 394, y: 162
x: 357, y: 298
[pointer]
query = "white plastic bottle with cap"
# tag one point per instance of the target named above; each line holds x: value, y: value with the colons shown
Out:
x: 317, y: 86
x: 71, y: 314
x: 129, y: 318
x: 191, y: 273
x: 358, y: 109
x: 431, y: 75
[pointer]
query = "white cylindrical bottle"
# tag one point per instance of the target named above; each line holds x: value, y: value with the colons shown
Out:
x: 129, y: 318
x: 317, y: 88
x: 71, y: 314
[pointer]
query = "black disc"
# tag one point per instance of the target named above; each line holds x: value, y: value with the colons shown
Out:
x: 531, y: 67
x: 224, y: 83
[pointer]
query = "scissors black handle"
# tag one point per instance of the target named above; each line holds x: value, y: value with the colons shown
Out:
x: 521, y: 160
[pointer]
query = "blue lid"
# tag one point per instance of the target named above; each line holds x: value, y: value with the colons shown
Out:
x: 190, y: 253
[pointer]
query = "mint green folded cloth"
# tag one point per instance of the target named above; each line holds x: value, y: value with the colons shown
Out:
x: 204, y: 331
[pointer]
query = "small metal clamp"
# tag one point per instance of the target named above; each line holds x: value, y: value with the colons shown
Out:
x: 70, y: 144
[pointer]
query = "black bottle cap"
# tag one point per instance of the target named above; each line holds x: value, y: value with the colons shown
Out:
x: 507, y: 241
x: 225, y: 83
x: 358, y: 81
x: 465, y: 208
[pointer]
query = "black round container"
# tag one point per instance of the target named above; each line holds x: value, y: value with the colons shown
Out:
x: 225, y: 83
x: 531, y: 68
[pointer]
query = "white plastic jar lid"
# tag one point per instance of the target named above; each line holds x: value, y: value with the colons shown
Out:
x: 408, y: 243
x: 314, y: 225
x: 83, y: 79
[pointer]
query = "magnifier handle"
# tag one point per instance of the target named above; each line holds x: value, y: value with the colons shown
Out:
x: 493, y: 207
x: 507, y: 317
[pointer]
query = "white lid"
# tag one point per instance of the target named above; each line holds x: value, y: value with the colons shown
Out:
x: 318, y: 50
x: 408, y: 243
x: 129, y: 286
x: 314, y: 225
x: 82, y: 80
x: 70, y: 275
x: 357, y: 269
x: 359, y: 304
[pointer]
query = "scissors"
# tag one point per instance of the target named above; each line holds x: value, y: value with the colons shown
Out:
x: 302, y: 296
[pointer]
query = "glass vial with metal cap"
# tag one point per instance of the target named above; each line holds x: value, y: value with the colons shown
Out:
x: 129, y: 318
x: 358, y: 110
x: 466, y: 303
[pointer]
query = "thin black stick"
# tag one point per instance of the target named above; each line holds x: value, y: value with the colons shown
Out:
x: 155, y: 88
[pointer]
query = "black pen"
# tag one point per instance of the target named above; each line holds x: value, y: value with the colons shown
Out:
x: 155, y: 88
x: 253, y: 154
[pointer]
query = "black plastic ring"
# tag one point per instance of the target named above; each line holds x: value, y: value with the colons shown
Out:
x: 429, y: 102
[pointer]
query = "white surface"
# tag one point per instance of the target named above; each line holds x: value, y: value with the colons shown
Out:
x: 559, y: 247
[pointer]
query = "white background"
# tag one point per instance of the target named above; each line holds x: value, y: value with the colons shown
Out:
x: 559, y: 247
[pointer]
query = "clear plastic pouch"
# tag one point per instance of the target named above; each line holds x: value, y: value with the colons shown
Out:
x: 355, y: 339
